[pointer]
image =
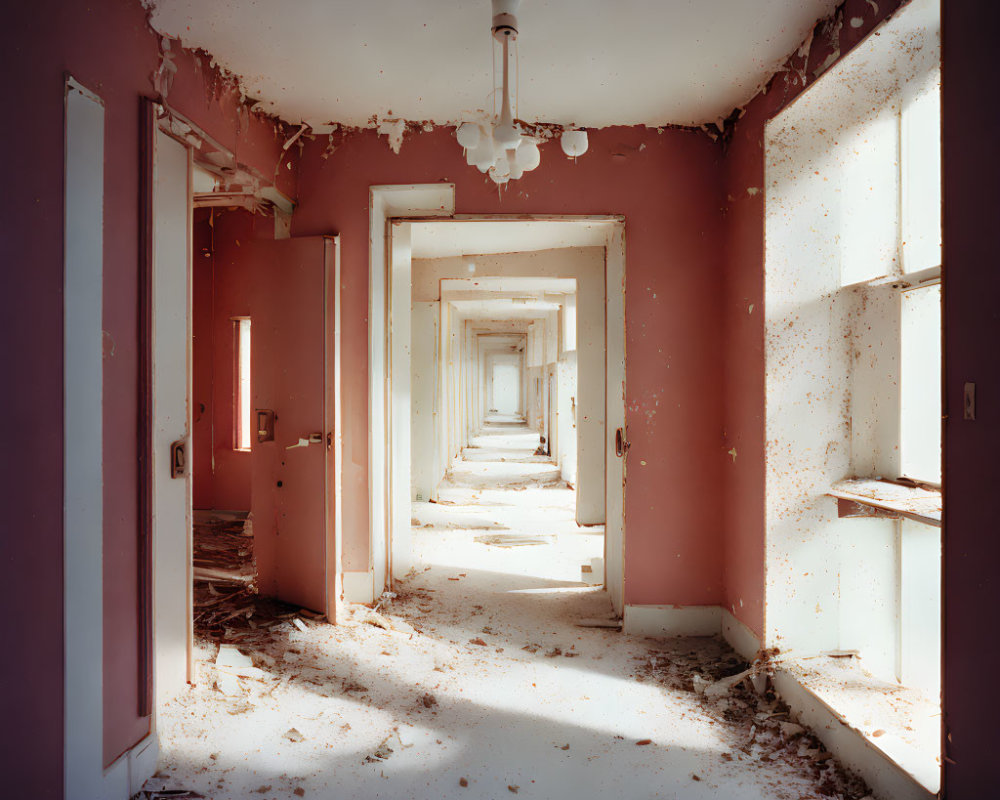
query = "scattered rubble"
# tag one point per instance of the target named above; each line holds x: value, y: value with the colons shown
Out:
x: 762, y: 727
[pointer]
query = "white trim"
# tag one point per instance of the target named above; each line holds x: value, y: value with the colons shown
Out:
x: 142, y: 762
x: 386, y: 202
x: 400, y: 266
x: 614, y: 412
x: 172, y: 585
x: 358, y: 587
x: 332, y: 393
x: 887, y: 779
x: 83, y: 445
x: 743, y: 640
x: 672, y: 620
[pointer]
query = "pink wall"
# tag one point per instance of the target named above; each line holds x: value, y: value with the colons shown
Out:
x: 107, y: 45
x: 202, y: 356
x: 669, y: 186
x: 743, y: 328
x: 221, y: 292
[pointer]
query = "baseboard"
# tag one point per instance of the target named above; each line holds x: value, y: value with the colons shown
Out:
x: 142, y: 761
x: 887, y: 779
x: 125, y: 776
x: 743, y: 640
x: 359, y: 587
x: 672, y: 620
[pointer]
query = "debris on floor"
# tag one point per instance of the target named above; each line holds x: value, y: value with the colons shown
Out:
x: 488, y: 671
x: 740, y: 696
x: 223, y: 548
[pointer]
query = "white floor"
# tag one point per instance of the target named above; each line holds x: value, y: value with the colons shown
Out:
x: 476, y: 682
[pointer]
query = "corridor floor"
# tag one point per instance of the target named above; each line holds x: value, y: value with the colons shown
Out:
x: 476, y: 682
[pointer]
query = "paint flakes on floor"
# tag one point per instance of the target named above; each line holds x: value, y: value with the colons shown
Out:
x: 475, y: 680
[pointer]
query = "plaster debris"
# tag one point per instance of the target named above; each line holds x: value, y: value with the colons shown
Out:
x: 163, y: 77
x: 394, y: 129
x: 539, y: 703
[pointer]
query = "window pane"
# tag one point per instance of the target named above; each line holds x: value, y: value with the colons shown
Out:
x: 921, y: 196
x: 242, y: 405
x: 920, y: 363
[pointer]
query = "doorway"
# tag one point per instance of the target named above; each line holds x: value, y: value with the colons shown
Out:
x: 245, y: 326
x: 390, y: 372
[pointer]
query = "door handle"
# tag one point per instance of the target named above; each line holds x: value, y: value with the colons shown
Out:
x: 314, y: 438
x: 621, y: 443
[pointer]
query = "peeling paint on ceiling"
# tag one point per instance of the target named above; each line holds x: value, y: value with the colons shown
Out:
x: 588, y: 63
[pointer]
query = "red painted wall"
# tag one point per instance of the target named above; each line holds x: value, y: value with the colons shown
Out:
x: 743, y: 328
x: 106, y: 45
x: 202, y: 356
x: 972, y: 329
x: 669, y: 186
x: 221, y: 292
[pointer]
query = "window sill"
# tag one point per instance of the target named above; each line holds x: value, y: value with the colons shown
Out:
x: 901, y: 723
x: 870, y: 497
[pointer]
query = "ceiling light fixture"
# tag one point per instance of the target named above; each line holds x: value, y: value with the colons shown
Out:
x: 502, y: 149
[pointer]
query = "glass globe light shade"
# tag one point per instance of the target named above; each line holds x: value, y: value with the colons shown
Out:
x: 574, y: 143
x: 514, y: 168
x: 506, y: 135
x: 528, y: 155
x: 468, y: 135
x: 501, y: 168
x: 483, y: 154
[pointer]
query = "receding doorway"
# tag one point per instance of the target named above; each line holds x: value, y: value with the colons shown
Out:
x: 598, y: 412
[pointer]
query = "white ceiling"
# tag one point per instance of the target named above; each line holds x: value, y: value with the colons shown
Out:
x: 501, y: 309
x: 585, y: 62
x: 496, y: 298
x: 449, y: 238
x: 460, y: 288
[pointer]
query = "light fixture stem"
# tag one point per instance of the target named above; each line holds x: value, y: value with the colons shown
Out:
x: 505, y: 115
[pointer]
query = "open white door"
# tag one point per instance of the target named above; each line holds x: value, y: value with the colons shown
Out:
x: 171, y: 450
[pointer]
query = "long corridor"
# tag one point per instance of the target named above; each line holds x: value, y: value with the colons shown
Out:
x: 476, y: 679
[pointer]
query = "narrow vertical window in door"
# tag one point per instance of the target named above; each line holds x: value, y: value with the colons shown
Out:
x: 241, y: 383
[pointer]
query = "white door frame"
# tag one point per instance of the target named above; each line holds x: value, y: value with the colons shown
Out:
x: 385, y: 203
x: 389, y: 376
x: 171, y: 391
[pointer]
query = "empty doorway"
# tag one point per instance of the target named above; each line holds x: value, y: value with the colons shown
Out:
x: 603, y: 473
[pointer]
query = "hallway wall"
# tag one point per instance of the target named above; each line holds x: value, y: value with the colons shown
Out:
x: 108, y: 47
x: 668, y: 184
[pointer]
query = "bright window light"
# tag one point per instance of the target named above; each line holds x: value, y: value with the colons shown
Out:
x: 921, y: 196
x: 242, y: 398
x: 920, y: 384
